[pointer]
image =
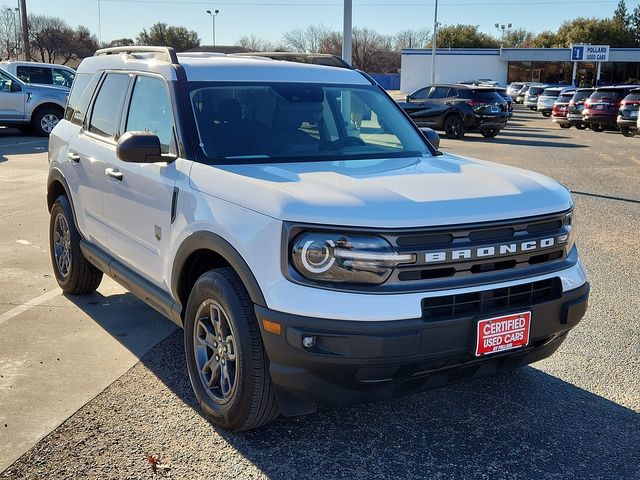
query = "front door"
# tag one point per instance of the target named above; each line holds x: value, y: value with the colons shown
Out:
x: 138, y: 196
x: 12, y: 97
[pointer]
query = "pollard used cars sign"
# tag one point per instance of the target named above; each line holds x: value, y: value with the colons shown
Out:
x: 590, y: 53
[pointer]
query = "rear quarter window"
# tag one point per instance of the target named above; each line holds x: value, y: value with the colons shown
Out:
x: 81, y: 92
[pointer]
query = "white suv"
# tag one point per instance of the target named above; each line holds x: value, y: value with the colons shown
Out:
x: 313, y: 255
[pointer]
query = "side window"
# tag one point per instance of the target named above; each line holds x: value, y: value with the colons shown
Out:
x: 420, y: 94
x: 81, y: 91
x: 5, y: 82
x: 62, y: 77
x: 438, y: 92
x: 40, y: 75
x: 22, y: 73
x: 104, y: 117
x: 150, y: 110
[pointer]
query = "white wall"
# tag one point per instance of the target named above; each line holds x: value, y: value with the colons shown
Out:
x: 451, y: 66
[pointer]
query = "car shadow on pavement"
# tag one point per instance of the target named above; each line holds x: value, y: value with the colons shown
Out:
x: 12, y: 144
x: 522, y: 142
x: 520, y: 424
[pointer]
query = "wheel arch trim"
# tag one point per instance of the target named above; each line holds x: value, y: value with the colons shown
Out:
x: 205, y: 240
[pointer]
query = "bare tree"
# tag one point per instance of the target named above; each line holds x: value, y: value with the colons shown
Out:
x: 56, y: 42
x: 308, y: 40
x: 411, y: 38
x: 255, y: 44
x: 373, y: 52
x: 10, y: 43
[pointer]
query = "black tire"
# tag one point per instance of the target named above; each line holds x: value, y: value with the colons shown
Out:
x: 453, y: 126
x: 582, y: 126
x: 77, y: 276
x: 546, y: 114
x: 565, y: 125
x: 44, y: 119
x: 596, y: 127
x: 491, y: 133
x: 627, y: 132
x: 250, y: 401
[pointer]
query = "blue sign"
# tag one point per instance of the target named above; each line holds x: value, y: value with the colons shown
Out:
x: 577, y: 53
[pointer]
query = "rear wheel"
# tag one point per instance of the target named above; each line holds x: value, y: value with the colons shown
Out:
x: 453, y: 126
x: 225, y: 357
x: 565, y: 125
x: 75, y: 275
x: 45, y: 119
x: 581, y: 126
x: 546, y: 114
x: 490, y: 133
x: 627, y: 132
x: 597, y: 127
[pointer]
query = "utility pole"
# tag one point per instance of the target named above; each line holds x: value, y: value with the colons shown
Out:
x: 347, y: 31
x: 433, y: 44
x: 25, y: 30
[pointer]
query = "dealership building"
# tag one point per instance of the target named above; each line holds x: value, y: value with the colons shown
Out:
x: 506, y: 65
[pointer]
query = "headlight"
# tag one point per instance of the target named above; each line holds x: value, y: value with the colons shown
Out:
x: 568, y: 239
x: 338, y: 258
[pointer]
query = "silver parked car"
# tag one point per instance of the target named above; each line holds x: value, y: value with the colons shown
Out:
x: 547, y: 98
x: 531, y: 97
x: 30, y: 107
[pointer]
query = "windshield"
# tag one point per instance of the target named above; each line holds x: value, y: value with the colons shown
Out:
x: 565, y: 97
x: 551, y: 93
x: 298, y: 122
x: 536, y: 90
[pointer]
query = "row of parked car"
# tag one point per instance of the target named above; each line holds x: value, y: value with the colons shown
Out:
x: 603, y: 108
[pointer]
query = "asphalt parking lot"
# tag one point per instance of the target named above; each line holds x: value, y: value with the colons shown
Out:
x: 96, y: 387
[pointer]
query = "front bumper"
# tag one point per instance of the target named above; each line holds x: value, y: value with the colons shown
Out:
x: 356, y: 361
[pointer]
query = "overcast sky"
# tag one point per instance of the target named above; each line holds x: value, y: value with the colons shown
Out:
x: 270, y: 18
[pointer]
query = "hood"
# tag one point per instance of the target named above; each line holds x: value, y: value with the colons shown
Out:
x: 392, y: 193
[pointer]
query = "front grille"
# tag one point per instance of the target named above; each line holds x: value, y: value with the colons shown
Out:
x: 472, y: 238
x: 490, y: 301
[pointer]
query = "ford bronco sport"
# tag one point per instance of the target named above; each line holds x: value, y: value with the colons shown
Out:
x: 313, y: 257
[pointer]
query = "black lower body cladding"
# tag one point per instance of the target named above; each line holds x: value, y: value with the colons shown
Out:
x: 347, y: 362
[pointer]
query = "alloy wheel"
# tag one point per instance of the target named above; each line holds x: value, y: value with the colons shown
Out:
x: 48, y: 122
x: 215, y: 351
x: 62, y: 245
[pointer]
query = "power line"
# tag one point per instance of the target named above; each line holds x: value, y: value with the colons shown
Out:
x: 505, y: 3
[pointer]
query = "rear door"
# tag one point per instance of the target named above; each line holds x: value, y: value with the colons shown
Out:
x: 138, y: 196
x: 12, y: 99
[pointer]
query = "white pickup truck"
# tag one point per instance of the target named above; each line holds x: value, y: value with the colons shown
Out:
x: 313, y: 257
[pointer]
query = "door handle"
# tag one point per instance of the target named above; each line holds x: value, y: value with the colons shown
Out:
x: 73, y: 156
x: 114, y: 173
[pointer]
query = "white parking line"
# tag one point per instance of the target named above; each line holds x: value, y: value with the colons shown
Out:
x: 14, y: 312
x: 23, y: 143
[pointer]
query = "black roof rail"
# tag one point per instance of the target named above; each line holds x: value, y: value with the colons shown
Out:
x: 169, y: 52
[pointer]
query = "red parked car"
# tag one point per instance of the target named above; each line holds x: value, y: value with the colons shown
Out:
x: 601, y: 109
x: 561, y: 108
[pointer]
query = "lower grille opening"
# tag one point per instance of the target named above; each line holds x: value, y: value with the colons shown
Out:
x: 426, y: 274
x: 490, y: 301
x: 546, y: 257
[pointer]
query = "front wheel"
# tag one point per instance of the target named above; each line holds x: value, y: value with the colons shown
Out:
x: 45, y: 120
x: 491, y: 133
x: 581, y: 126
x: 74, y: 274
x: 565, y: 125
x: 627, y: 132
x: 546, y: 114
x: 227, y: 365
x: 597, y: 127
x: 453, y: 126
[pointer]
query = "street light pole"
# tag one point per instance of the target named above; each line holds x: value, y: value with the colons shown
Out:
x: 25, y: 30
x: 433, y: 44
x: 347, y: 27
x: 213, y: 26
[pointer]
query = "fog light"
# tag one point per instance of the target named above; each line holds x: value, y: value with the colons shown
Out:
x: 308, y: 341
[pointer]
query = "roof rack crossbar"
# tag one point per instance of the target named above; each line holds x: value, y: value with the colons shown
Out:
x: 169, y: 52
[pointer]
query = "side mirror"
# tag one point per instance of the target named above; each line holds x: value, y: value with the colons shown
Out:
x: 15, y: 87
x: 139, y: 147
x: 432, y: 136
x: 407, y: 99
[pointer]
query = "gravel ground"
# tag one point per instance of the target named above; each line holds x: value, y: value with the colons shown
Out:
x: 574, y: 415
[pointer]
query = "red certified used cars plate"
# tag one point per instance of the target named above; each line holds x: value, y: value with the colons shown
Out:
x: 507, y: 332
